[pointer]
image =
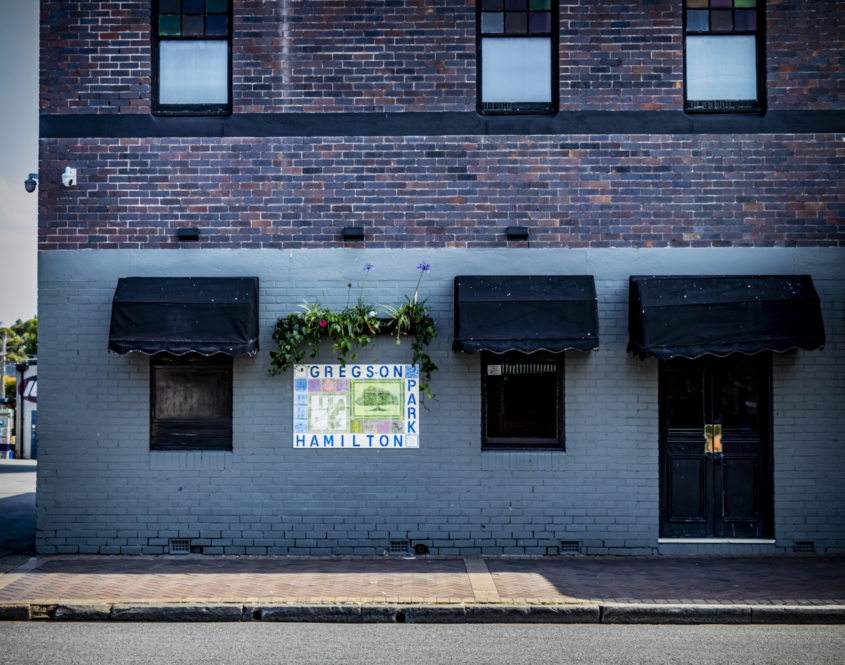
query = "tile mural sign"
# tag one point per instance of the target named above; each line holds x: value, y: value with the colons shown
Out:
x: 357, y: 406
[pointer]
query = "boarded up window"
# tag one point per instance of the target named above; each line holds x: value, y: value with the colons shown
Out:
x: 191, y: 403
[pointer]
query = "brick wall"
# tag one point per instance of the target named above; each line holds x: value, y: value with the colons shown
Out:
x: 573, y: 191
x: 95, y: 57
x: 805, y: 67
x: 100, y: 489
x: 623, y: 56
x: 330, y: 55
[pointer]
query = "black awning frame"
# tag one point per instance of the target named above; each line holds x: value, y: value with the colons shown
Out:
x: 692, y: 316
x: 525, y: 313
x: 181, y: 315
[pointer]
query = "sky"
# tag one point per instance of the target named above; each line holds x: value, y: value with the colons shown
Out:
x: 18, y: 158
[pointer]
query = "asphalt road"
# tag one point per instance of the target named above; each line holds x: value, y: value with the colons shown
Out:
x: 17, y: 507
x: 324, y: 644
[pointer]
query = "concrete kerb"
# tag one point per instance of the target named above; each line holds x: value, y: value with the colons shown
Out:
x: 676, y: 614
x: 310, y: 613
x: 441, y: 614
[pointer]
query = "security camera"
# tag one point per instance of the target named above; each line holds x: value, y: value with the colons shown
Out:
x: 69, y: 177
x: 31, y: 182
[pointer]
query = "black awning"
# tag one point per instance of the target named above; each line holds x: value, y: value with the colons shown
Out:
x: 180, y: 315
x: 525, y: 313
x: 696, y: 316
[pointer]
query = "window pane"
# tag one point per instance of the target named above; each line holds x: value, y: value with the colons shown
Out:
x: 516, y: 23
x: 189, y: 392
x: 740, y: 398
x: 697, y: 4
x: 721, y: 21
x: 169, y: 6
x: 492, y: 22
x: 192, y: 26
x: 516, y: 70
x: 721, y: 68
x: 193, y: 72
x: 540, y: 4
x: 718, y: 4
x: 493, y: 5
x: 698, y: 21
x: 522, y: 402
x: 169, y: 25
x: 685, y: 399
x: 539, y: 22
x: 216, y: 6
x: 516, y: 5
x: 217, y: 25
x: 746, y: 19
x: 745, y: 3
x: 193, y: 6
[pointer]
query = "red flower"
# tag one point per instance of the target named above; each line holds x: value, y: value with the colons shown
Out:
x: 323, y: 323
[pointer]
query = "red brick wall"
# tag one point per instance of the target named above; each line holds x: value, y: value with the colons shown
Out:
x: 419, y: 55
x: 574, y: 191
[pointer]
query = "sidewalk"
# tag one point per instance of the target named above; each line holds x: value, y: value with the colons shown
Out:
x: 809, y: 581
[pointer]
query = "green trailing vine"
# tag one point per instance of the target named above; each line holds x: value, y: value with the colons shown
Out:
x: 354, y: 327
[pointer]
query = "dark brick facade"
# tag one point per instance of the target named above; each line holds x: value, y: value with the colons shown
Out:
x: 806, y: 55
x: 415, y: 55
x: 573, y: 191
x: 95, y: 57
x: 621, y: 56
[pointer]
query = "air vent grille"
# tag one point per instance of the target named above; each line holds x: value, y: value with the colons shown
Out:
x: 400, y: 547
x: 804, y: 546
x: 180, y: 546
x: 570, y: 546
x: 497, y: 106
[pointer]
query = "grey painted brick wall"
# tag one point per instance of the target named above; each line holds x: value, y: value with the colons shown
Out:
x: 100, y: 489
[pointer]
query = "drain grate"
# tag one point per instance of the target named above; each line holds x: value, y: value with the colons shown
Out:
x: 400, y: 547
x: 180, y: 546
x: 570, y: 547
x: 804, y: 546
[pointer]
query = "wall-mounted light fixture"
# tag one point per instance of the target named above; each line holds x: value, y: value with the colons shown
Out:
x: 517, y: 233
x: 353, y: 234
x: 188, y: 234
x: 31, y: 182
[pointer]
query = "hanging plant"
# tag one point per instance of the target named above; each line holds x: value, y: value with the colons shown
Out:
x: 354, y: 327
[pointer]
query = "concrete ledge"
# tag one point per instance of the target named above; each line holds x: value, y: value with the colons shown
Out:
x: 798, y: 614
x: 413, y: 614
x: 303, y: 613
x: 533, y: 614
x: 15, y: 612
x: 676, y: 614
x: 83, y: 612
x: 177, y: 612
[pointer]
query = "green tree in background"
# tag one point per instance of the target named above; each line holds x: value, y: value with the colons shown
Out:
x: 21, y: 340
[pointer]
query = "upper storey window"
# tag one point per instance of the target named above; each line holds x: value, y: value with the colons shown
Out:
x: 193, y: 57
x: 517, y: 43
x: 723, y: 48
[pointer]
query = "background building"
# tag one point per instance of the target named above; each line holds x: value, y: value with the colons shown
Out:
x: 628, y: 139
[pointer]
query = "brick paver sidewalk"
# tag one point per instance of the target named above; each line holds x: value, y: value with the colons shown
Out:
x: 783, y: 579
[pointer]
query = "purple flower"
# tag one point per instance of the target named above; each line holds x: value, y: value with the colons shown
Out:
x: 424, y: 267
x: 368, y: 267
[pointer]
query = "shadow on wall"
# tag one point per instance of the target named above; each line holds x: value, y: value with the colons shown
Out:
x: 17, y: 523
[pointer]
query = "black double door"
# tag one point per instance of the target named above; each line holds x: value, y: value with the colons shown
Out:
x: 715, y: 447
